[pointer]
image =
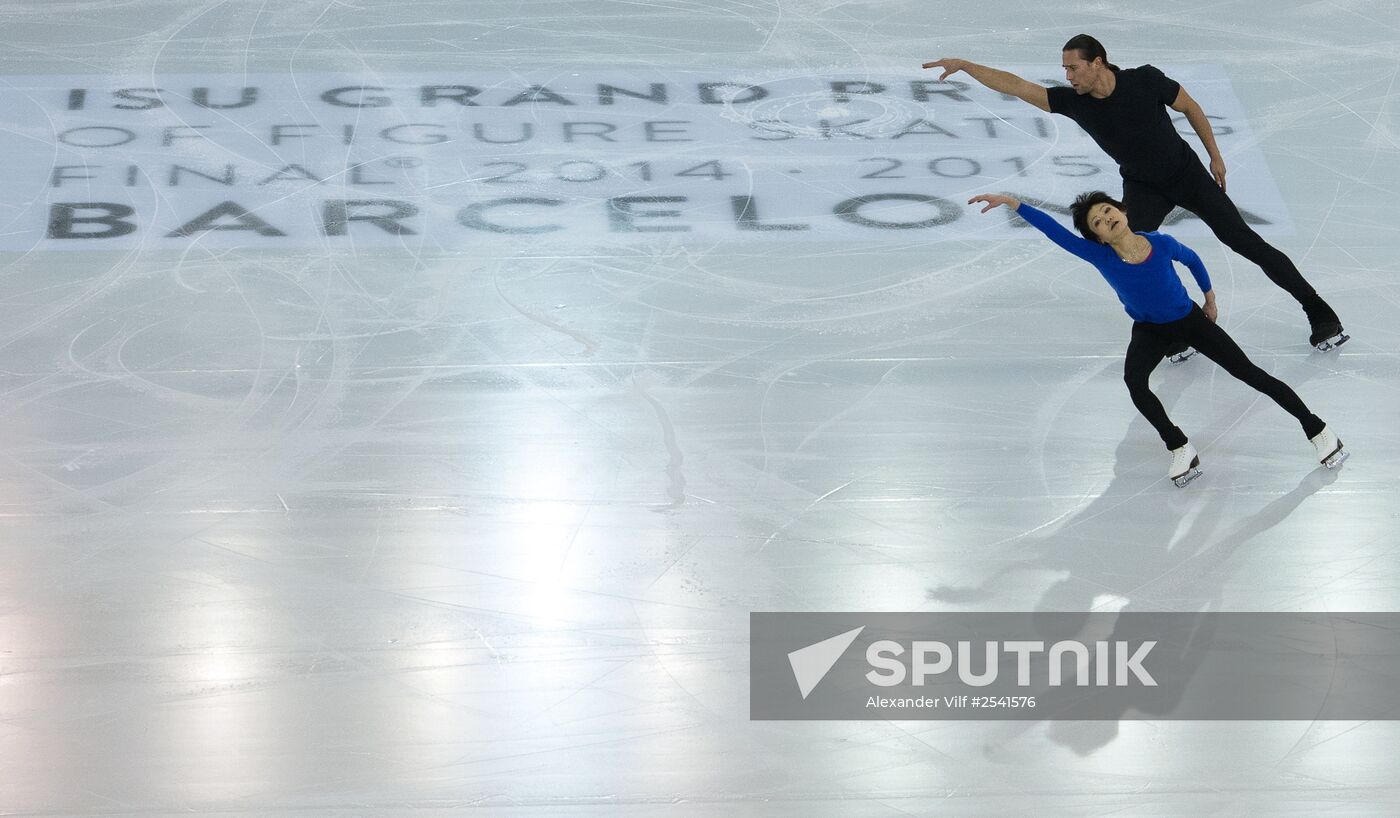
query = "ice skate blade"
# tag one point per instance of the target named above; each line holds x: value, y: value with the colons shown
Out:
x: 1182, y: 480
x: 1182, y: 357
x: 1336, y: 459
x: 1332, y: 343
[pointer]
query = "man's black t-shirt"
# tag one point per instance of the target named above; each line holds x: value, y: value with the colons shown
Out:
x: 1131, y: 124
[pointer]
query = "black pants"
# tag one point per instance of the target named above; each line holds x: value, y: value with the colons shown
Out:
x: 1195, y: 190
x: 1145, y: 352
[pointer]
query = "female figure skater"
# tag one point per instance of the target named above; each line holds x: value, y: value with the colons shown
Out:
x: 1139, y: 268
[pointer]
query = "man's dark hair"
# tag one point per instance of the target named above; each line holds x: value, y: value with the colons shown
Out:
x: 1089, y: 49
x: 1080, y: 210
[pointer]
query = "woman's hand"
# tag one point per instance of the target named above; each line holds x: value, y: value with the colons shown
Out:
x: 994, y: 200
x: 1212, y: 312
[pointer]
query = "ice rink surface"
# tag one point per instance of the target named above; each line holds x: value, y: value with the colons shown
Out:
x: 471, y: 521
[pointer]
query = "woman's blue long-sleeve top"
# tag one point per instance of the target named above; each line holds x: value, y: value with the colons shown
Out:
x: 1150, y: 290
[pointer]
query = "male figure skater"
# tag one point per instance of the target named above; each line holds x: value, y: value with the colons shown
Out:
x: 1124, y: 110
x: 1139, y: 268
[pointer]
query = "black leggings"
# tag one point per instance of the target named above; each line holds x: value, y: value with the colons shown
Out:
x: 1145, y: 352
x: 1195, y: 190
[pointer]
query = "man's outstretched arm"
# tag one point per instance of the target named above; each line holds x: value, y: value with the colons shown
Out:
x: 995, y: 79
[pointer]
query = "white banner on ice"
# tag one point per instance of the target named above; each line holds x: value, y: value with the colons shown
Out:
x: 437, y: 160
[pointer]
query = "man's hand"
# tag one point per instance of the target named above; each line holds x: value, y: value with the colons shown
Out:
x: 994, y: 200
x: 1003, y: 82
x: 1200, y: 123
x: 950, y: 66
x: 1217, y: 169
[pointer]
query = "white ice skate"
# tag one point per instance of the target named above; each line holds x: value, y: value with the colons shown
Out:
x: 1327, y: 337
x: 1185, y: 465
x: 1329, y: 449
x: 1178, y: 357
x: 1331, y: 343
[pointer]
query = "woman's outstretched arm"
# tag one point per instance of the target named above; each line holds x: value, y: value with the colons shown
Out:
x: 1090, y: 251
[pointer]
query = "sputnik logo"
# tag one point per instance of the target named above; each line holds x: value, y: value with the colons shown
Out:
x: 811, y: 664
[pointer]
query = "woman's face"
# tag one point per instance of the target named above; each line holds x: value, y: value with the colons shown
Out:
x: 1108, y: 222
